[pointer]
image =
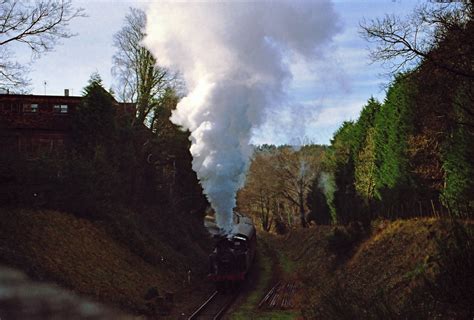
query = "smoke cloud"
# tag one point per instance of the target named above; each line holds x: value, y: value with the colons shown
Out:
x: 235, y: 58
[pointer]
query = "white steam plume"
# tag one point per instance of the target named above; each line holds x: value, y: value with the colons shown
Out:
x: 234, y: 58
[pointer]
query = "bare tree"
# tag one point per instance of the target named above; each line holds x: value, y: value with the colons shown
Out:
x: 296, y: 171
x: 402, y: 43
x: 139, y: 78
x: 37, y: 25
x: 259, y: 197
x: 278, y: 183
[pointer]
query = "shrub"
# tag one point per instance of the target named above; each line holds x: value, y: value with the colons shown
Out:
x: 338, y: 302
x: 455, y: 259
x: 344, y: 239
x: 280, y: 227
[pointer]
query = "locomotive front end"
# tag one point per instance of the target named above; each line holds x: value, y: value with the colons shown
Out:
x: 233, y: 255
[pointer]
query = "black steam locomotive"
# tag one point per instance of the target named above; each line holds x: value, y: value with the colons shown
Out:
x: 233, y: 254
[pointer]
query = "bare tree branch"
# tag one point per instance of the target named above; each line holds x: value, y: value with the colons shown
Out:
x: 37, y: 25
x: 403, y: 43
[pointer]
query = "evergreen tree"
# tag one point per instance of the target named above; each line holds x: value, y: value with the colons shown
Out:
x: 93, y: 123
x: 364, y: 154
x: 393, y: 126
x: 366, y: 169
x: 92, y: 165
x: 340, y: 161
x: 319, y: 210
x: 458, y: 155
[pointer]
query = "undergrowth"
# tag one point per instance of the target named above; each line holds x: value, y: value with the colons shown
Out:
x: 345, y: 238
x: 343, y: 303
x: 441, y: 287
x: 455, y: 281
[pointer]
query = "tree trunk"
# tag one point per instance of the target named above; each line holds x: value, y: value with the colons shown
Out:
x: 304, y: 224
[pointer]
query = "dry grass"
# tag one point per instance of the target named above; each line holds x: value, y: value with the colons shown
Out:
x: 388, y: 275
x: 82, y: 256
x: 389, y: 260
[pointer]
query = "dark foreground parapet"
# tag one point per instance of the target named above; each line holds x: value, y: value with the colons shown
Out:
x: 22, y: 298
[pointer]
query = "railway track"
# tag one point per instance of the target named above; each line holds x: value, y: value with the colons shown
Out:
x: 214, y: 307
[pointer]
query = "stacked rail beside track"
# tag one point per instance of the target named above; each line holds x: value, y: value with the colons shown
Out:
x: 280, y: 296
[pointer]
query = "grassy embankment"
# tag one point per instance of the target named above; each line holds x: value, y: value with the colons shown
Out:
x: 418, y: 268
x: 404, y: 268
x: 85, y: 257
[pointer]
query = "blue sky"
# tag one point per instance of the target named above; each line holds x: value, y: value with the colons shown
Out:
x: 321, y: 95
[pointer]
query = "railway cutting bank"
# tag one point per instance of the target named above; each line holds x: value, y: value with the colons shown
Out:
x: 401, y: 269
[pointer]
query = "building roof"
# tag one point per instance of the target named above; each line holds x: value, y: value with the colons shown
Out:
x: 39, y: 98
x: 48, y: 112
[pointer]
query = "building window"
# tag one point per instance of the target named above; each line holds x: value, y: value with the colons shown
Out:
x: 10, y: 107
x: 60, y: 108
x: 30, y: 108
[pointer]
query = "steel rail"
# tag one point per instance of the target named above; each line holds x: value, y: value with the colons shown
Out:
x: 196, y: 313
x: 222, y: 311
x: 215, y: 312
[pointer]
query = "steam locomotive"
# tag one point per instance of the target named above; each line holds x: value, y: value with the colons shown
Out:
x: 233, y: 254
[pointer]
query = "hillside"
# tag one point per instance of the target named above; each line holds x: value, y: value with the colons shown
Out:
x: 83, y: 256
x: 406, y: 269
x: 402, y: 270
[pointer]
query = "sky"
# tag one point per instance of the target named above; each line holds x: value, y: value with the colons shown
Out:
x: 322, y: 94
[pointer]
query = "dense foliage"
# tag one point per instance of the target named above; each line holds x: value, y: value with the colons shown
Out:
x: 412, y: 155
